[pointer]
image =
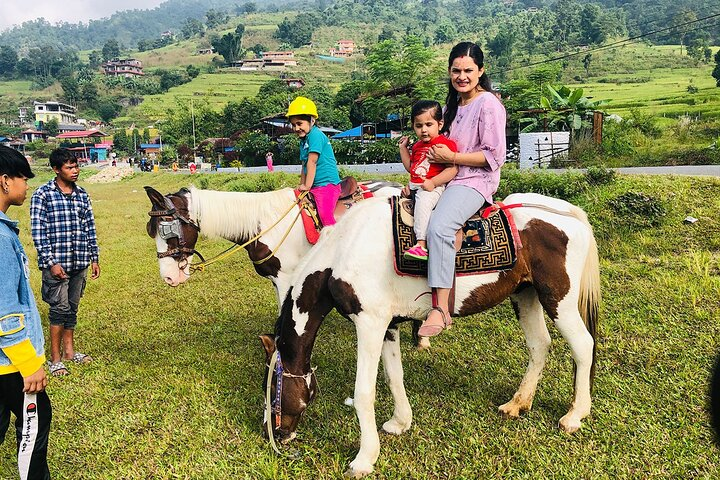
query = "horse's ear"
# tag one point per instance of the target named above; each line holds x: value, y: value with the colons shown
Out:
x: 155, y: 197
x: 268, y: 343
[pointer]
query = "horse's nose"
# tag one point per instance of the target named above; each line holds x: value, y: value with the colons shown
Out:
x: 172, y: 282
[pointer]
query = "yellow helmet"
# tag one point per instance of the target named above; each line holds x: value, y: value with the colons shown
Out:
x: 302, y: 106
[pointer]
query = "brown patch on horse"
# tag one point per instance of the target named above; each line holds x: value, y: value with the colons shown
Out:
x: 541, y: 262
x: 258, y: 251
x: 346, y: 301
x: 549, y: 252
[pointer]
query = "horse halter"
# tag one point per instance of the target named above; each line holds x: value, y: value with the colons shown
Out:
x: 273, y: 408
x: 172, y: 228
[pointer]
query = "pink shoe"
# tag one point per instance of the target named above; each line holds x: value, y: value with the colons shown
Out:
x: 432, y: 329
x: 416, y: 253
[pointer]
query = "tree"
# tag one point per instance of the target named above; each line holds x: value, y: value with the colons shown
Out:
x: 230, y: 45
x: 716, y: 70
x: 52, y: 127
x: 121, y: 141
x: 586, y: 63
x: 215, y: 18
x: 591, y: 28
x: 144, y: 44
x: 89, y: 93
x: 299, y: 31
x: 95, y: 59
x: 8, y: 60
x: 107, y: 108
x: 71, y: 89
x: 192, y: 71
x: 249, y: 7
x: 111, y: 50
x: 192, y: 27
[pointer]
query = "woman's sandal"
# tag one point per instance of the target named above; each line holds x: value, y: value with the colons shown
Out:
x: 58, y: 369
x: 430, y: 330
x: 80, y: 358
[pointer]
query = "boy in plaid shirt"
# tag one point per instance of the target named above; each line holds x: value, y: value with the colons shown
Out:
x: 63, y: 230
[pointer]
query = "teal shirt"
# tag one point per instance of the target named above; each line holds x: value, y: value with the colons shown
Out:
x: 326, y: 172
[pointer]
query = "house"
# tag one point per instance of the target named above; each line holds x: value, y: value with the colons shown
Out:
x: 30, y: 135
x: 286, y: 55
x: 295, y: 82
x: 343, y: 48
x: 270, y: 63
x: 206, y: 51
x: 62, y: 112
x: 82, y: 141
x: 249, y: 65
x: 167, y: 34
x: 125, y: 67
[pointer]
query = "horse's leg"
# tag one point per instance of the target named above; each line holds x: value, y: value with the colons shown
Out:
x: 392, y: 364
x: 572, y: 328
x: 370, y: 335
x: 530, y: 315
x: 422, y: 343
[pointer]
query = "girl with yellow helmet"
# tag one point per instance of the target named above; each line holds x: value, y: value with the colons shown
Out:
x: 319, y: 168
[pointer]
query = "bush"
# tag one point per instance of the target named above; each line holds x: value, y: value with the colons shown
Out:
x: 251, y: 148
x: 346, y: 151
x: 616, y: 139
x: 566, y: 186
x: 380, y: 151
x: 638, y: 209
x: 643, y: 122
x: 598, y: 175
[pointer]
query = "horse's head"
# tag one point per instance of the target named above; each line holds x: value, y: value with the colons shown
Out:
x: 287, y: 394
x: 174, y: 233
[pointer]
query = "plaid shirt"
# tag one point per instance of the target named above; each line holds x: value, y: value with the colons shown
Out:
x: 63, y: 227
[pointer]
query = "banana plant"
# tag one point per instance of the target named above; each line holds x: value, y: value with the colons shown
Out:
x: 562, y: 109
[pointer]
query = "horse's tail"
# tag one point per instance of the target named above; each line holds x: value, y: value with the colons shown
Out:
x: 589, y: 299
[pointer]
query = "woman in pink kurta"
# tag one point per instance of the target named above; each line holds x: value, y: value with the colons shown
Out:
x: 475, y: 119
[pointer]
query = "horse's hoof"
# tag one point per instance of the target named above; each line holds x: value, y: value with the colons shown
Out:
x: 355, y: 471
x: 510, y: 410
x: 394, y: 427
x: 569, y: 424
x: 423, y: 344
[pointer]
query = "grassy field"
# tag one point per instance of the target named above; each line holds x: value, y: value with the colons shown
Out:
x: 176, y: 388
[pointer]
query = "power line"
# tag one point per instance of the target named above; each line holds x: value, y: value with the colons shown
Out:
x: 623, y: 42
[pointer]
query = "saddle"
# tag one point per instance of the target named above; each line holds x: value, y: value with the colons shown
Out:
x: 489, y: 241
x: 351, y: 192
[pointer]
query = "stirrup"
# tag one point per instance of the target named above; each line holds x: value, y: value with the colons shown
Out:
x: 433, y: 330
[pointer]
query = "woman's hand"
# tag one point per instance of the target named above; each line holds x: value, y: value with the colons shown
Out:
x: 405, y: 191
x: 303, y: 188
x: 428, y: 185
x: 440, y: 153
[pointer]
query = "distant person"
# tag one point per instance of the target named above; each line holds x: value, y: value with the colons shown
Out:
x: 175, y: 166
x: 63, y: 230
x: 22, y: 343
x: 426, y: 180
x: 269, y: 161
x: 319, y: 167
x: 193, y: 167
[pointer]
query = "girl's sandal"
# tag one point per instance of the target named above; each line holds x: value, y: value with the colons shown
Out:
x: 430, y: 330
x: 58, y: 369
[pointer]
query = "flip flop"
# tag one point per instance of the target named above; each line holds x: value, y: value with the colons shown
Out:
x: 58, y: 369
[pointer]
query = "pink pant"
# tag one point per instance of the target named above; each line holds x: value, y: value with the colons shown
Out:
x: 326, y: 198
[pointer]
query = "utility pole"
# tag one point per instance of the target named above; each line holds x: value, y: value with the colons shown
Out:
x: 192, y: 114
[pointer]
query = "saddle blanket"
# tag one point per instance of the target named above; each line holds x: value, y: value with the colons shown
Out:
x: 352, y: 192
x: 490, y: 241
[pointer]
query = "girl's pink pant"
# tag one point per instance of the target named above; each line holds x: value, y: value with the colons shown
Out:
x: 326, y: 198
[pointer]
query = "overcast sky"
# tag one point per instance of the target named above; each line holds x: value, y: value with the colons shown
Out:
x: 17, y: 11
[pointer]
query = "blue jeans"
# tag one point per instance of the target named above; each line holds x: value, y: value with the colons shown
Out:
x: 63, y: 296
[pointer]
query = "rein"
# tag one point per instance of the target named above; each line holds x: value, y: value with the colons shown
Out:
x: 172, y: 229
x: 273, y: 410
x: 201, y: 266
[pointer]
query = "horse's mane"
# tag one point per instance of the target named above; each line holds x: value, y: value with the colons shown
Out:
x: 236, y: 214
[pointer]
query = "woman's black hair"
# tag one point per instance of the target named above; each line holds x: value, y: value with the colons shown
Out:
x: 423, y: 106
x: 463, y: 49
x: 14, y: 164
x: 61, y: 156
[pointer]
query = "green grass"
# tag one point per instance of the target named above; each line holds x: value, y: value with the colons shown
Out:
x: 175, y: 391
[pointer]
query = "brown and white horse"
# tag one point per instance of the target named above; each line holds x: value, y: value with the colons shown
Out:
x: 557, y: 272
x: 176, y: 220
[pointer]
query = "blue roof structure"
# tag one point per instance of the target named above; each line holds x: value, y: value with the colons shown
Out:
x: 355, y: 132
x: 4, y: 139
x: 149, y: 145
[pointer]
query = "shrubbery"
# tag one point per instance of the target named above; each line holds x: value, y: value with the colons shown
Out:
x: 638, y: 209
x: 566, y: 186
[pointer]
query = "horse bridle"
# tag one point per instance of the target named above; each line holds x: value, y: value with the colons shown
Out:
x: 273, y: 407
x: 172, y: 228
